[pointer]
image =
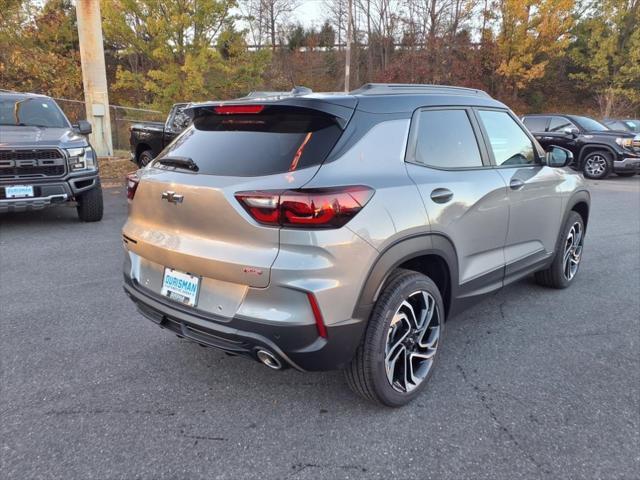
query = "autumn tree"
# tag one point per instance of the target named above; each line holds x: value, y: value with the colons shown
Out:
x: 531, y: 33
x: 39, y: 47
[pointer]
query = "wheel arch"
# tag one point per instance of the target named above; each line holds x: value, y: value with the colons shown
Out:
x: 579, y: 202
x: 593, y: 147
x: 431, y: 254
x: 141, y: 147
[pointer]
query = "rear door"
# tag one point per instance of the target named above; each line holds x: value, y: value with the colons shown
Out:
x: 535, y: 202
x: 559, y: 132
x: 465, y: 199
x: 188, y: 219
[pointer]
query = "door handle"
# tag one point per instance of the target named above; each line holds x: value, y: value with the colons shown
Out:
x: 516, y: 184
x: 441, y: 195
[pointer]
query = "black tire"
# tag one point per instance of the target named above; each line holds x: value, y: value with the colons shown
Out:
x: 366, y: 374
x: 597, y: 165
x: 554, y: 276
x: 90, y: 206
x: 145, y: 157
x: 625, y: 174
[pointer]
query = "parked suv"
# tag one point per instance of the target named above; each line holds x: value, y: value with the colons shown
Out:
x: 339, y: 231
x: 44, y: 160
x: 597, y: 149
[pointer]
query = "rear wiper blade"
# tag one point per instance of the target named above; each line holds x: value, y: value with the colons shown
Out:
x: 179, y: 162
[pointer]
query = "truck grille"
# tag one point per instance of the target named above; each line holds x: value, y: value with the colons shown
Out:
x: 37, y: 163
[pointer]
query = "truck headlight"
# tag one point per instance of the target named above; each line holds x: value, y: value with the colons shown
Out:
x: 624, y: 142
x: 83, y: 158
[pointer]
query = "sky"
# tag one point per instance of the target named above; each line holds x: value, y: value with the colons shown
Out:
x: 310, y: 13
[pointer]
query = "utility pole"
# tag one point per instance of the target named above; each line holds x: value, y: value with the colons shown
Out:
x: 347, y: 61
x: 94, y: 74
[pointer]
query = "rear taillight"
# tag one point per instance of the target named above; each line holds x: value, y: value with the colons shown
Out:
x: 132, y: 184
x: 308, y: 208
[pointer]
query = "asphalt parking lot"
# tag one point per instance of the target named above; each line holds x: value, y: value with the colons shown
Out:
x: 532, y: 383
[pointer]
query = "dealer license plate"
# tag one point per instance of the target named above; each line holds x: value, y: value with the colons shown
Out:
x: 180, y: 287
x: 18, y: 191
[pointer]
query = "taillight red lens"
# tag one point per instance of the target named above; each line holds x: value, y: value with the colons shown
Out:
x: 238, y: 109
x: 132, y: 184
x: 310, y: 208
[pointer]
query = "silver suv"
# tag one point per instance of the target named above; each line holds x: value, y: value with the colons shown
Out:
x: 339, y: 231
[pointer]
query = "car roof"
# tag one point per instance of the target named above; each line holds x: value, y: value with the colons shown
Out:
x: 20, y: 95
x: 374, y: 98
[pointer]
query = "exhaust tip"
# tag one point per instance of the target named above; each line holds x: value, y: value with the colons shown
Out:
x: 269, y: 359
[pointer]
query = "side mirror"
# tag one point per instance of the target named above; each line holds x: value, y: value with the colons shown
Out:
x: 570, y: 131
x: 558, y: 157
x: 84, y: 127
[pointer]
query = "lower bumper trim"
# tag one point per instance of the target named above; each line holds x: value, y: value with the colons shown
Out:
x: 298, y: 346
x: 31, y: 203
x: 627, y: 164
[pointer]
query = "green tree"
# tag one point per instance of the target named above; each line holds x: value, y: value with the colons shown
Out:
x: 606, y: 52
x: 167, y: 50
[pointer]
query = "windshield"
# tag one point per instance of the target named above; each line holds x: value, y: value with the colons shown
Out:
x: 31, y: 112
x: 633, y: 125
x: 590, y: 124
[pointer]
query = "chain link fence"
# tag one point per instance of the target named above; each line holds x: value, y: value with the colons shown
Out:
x: 121, y: 120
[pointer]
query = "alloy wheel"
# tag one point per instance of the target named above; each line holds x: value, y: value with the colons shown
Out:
x: 596, y: 165
x: 412, y: 341
x: 572, y: 251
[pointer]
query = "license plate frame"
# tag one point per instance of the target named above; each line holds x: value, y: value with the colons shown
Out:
x: 180, y: 287
x: 19, y: 191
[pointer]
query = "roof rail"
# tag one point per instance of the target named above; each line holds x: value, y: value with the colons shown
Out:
x: 414, y: 88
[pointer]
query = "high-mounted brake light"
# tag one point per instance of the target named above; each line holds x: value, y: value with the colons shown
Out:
x: 132, y: 184
x: 238, y: 109
x: 307, y: 208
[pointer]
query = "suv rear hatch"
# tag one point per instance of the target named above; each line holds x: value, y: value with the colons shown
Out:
x: 184, y: 214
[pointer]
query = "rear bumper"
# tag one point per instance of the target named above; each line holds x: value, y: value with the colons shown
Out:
x: 298, y: 346
x: 628, y: 164
x: 48, y: 192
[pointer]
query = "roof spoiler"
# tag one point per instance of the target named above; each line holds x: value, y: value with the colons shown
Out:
x: 341, y: 108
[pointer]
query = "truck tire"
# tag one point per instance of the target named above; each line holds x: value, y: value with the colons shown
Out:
x: 597, y: 165
x: 90, y: 206
x: 399, y: 349
x: 145, y: 157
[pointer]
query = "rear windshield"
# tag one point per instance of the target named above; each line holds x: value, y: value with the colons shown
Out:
x: 276, y: 140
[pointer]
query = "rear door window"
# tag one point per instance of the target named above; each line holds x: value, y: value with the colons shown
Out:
x: 536, y: 124
x: 558, y: 124
x: 445, y: 139
x: 274, y: 140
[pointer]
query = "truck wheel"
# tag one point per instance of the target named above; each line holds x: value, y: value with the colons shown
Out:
x: 396, y: 356
x: 597, y: 165
x: 567, y: 258
x: 90, y: 206
x: 625, y: 174
x: 145, y: 158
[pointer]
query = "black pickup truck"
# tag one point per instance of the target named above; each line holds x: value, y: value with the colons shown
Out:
x: 597, y: 149
x: 147, y: 139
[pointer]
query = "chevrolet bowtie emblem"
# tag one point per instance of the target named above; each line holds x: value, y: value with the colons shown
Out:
x: 172, y: 197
